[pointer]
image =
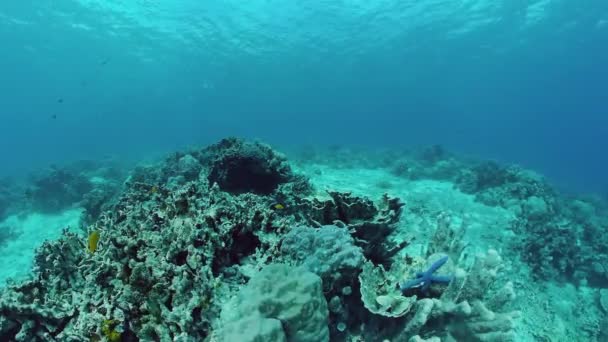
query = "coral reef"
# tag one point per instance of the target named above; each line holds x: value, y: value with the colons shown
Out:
x: 239, y: 167
x: 373, y: 225
x: 57, y: 189
x: 329, y: 252
x: 379, y: 292
x: 432, y: 162
x: 85, y: 183
x: 472, y: 308
x: 563, y: 239
x: 283, y: 294
x: 162, y: 252
x: 550, y: 237
x: 560, y: 237
x: 195, y: 249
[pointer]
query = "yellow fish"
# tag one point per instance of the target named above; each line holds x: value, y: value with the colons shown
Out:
x: 154, y: 189
x: 278, y: 206
x: 93, y: 241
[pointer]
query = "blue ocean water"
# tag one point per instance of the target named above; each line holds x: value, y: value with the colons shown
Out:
x: 116, y: 175
x: 518, y: 81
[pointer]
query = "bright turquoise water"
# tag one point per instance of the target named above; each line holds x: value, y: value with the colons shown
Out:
x: 521, y: 81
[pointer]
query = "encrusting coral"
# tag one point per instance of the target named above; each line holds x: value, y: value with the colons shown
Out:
x: 196, y: 249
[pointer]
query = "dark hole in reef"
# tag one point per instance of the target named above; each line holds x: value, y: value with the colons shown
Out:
x: 243, y: 245
x: 241, y: 175
x: 198, y: 243
x: 61, y: 326
x: 154, y: 336
x: 11, y: 334
x: 182, y: 206
x: 434, y: 291
x: 126, y: 272
x: 181, y: 258
x: 169, y: 302
x: 197, y: 314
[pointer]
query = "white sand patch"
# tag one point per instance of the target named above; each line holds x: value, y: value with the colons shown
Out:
x: 487, y: 227
x: 360, y: 182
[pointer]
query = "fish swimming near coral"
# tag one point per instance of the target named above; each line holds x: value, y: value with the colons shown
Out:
x: 93, y: 241
x: 278, y: 202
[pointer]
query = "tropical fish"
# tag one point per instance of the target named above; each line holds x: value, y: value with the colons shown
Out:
x: 93, y: 241
x: 278, y: 206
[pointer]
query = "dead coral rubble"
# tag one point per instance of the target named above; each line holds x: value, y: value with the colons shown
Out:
x: 159, y: 264
x: 192, y: 252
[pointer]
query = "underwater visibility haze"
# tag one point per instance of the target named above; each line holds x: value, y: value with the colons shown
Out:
x: 303, y: 171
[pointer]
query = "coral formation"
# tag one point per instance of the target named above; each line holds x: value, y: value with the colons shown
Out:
x: 373, y: 225
x: 239, y: 167
x: 283, y: 294
x: 161, y: 255
x: 380, y: 295
x: 57, y: 189
x: 560, y: 237
x: 328, y: 251
x: 88, y: 184
x: 472, y: 308
x: 195, y: 248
